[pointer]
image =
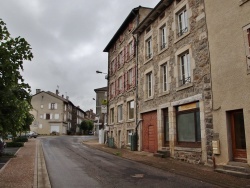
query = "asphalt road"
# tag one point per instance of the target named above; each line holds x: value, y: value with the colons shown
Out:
x: 71, y: 164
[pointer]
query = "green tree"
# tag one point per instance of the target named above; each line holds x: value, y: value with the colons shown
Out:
x: 84, y: 126
x: 15, y: 98
x: 91, y: 125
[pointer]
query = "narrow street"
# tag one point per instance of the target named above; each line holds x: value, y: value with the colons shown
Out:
x: 72, y: 164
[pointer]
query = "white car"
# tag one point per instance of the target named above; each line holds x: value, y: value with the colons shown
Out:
x: 32, y: 134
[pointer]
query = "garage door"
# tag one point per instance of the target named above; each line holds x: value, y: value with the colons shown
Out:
x: 149, y: 132
x: 55, y: 128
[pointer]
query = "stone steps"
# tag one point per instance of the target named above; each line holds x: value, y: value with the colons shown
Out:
x: 162, y: 153
x: 235, y: 169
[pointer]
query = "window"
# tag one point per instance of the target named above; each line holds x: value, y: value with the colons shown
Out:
x: 119, y: 111
x: 112, y: 115
x: 129, y: 136
x: 112, y: 67
x: 163, y: 37
x: 246, y: 34
x: 121, y: 59
x: 47, y: 116
x: 164, y: 79
x: 185, y: 73
x: 42, y: 106
x: 56, y: 116
x: 149, y: 84
x: 131, y: 50
x: 149, y: 48
x: 120, y: 84
x: 182, y: 22
x: 131, y: 107
x: 188, y: 124
x: 112, y: 90
x: 248, y: 37
x: 53, y: 105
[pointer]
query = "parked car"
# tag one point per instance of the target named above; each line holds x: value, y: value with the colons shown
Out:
x: 2, y: 145
x: 32, y: 134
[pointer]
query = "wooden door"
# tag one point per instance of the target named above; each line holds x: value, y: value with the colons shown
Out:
x: 238, y: 136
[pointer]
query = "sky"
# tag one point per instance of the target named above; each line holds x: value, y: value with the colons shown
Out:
x: 67, y: 38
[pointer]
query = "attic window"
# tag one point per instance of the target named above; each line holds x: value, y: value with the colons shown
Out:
x: 148, y: 29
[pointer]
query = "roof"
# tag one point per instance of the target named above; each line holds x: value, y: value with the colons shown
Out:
x: 154, y: 14
x: 124, y: 25
x: 101, y: 89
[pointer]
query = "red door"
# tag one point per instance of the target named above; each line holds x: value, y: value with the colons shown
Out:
x: 149, y: 132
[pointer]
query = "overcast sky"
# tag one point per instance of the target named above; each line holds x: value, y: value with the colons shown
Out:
x: 67, y: 39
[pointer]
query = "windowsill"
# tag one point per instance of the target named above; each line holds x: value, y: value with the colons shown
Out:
x: 248, y: 72
x: 185, y: 86
x: 130, y: 120
x: 148, y: 99
x: 163, y: 50
x: 187, y: 149
x: 164, y: 93
x: 146, y: 61
x: 120, y: 122
x: 241, y: 2
x: 181, y: 37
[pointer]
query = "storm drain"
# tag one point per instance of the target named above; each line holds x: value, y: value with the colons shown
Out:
x: 138, y: 176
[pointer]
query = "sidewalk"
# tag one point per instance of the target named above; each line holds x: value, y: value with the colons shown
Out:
x: 27, y: 169
x: 199, y: 172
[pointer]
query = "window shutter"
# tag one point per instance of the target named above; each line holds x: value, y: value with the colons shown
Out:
x: 248, y: 36
x: 55, y: 105
x: 49, y: 105
x: 123, y: 83
x: 134, y: 73
x: 133, y: 48
x: 125, y: 54
x: 50, y: 116
x: 44, y: 116
x: 125, y: 80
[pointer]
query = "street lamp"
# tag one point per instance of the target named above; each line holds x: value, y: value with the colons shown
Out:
x: 100, y: 72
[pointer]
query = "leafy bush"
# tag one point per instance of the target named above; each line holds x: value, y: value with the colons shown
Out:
x: 14, y: 144
x: 21, y: 139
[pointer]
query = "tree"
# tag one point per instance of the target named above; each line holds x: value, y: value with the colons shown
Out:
x: 84, y: 126
x: 15, y: 98
x: 91, y: 125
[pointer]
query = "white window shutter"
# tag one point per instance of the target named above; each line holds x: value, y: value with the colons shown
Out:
x: 50, y: 116
x: 49, y: 105
x: 44, y: 116
x: 55, y: 105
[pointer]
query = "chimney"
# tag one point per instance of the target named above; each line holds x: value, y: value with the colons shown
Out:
x: 62, y: 96
x: 67, y: 97
x: 57, y: 92
x: 38, y: 91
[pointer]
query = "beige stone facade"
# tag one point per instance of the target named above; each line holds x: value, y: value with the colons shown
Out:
x: 174, y: 81
x: 229, y: 43
x: 122, y: 80
x: 51, y: 112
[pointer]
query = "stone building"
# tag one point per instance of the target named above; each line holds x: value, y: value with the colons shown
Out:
x: 229, y: 43
x: 78, y: 116
x: 174, y: 81
x: 122, y: 79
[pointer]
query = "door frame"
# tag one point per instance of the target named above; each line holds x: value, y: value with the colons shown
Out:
x: 239, y: 155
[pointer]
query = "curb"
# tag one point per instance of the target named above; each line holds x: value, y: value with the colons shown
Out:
x: 41, y: 177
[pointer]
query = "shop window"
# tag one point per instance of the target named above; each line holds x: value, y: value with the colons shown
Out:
x: 188, y: 125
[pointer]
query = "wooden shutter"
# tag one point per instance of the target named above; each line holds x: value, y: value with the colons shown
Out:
x: 133, y: 48
x: 134, y: 74
x: 248, y: 36
x: 125, y: 81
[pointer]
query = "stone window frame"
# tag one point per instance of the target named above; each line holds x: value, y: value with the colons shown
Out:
x: 177, y: 72
x: 163, y: 24
x: 246, y: 35
x: 120, y: 113
x: 112, y: 115
x: 166, y: 62
x: 145, y: 85
x: 128, y: 109
x: 148, y: 36
x: 183, y: 5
